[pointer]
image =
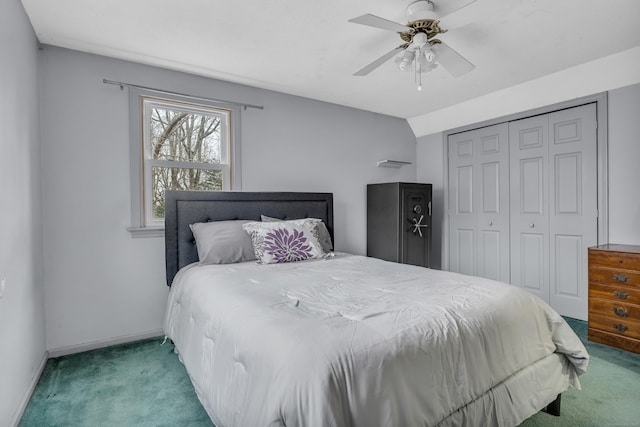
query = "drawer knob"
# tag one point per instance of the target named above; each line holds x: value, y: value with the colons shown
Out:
x: 621, y: 295
x: 620, y: 277
x: 620, y: 327
x: 620, y: 312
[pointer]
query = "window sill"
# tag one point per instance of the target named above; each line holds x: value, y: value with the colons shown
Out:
x: 142, y: 232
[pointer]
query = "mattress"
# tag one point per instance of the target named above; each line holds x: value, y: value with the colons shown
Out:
x: 356, y: 341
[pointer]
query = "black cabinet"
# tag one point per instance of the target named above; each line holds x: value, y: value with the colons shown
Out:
x: 399, y: 222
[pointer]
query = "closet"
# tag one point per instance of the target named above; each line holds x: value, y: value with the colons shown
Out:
x: 523, y: 204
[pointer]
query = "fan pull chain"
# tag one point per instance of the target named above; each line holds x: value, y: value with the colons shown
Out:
x: 418, y: 77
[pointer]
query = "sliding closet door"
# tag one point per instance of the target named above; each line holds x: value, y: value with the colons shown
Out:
x: 529, y: 205
x: 479, y: 202
x: 573, y: 219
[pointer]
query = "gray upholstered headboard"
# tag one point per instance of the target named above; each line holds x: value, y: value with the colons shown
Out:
x: 188, y: 207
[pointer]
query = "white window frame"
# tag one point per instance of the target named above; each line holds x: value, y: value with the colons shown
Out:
x: 141, y: 102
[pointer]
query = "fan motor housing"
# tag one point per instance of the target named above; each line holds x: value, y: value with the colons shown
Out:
x: 429, y: 27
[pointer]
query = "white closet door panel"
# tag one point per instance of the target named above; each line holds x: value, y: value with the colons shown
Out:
x: 464, y: 184
x: 532, y: 182
x: 566, y: 274
x: 462, y: 221
x: 492, y: 176
x: 465, y: 253
x: 532, y: 271
x: 529, y: 207
x: 490, y: 196
x: 567, y: 187
x: 489, y: 233
x: 573, y: 206
x: 491, y: 254
x: 479, y: 202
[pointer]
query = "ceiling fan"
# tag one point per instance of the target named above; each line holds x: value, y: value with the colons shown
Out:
x: 420, y: 48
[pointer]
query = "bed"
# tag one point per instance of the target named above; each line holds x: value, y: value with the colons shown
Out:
x: 347, y: 340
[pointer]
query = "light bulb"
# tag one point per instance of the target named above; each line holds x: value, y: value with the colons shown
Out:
x: 406, y: 60
x: 419, y: 87
x: 429, y: 55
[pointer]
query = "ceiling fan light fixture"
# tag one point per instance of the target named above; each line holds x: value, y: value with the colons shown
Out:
x: 420, y: 51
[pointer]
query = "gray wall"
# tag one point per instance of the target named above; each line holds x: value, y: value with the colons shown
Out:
x: 624, y: 172
x: 102, y: 285
x: 430, y: 158
x: 624, y: 165
x: 22, y: 304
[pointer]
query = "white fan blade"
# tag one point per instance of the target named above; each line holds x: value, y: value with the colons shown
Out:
x: 452, y: 61
x: 378, y: 62
x: 445, y: 7
x: 377, y: 22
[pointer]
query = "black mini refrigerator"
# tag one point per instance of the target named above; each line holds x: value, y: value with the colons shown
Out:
x: 399, y: 222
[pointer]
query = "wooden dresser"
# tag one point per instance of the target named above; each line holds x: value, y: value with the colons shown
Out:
x: 614, y: 296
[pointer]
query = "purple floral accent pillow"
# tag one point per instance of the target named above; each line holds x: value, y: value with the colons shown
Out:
x: 318, y: 228
x: 278, y: 242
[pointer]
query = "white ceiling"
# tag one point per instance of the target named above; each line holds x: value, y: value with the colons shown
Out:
x: 307, y: 48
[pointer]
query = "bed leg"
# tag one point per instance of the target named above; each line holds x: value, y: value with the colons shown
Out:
x: 553, y: 408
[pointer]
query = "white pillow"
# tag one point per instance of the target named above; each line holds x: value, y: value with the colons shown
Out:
x: 222, y: 242
x: 284, y: 241
x: 322, y: 234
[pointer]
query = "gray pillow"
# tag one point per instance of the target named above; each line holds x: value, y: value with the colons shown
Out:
x: 222, y: 242
x: 323, y: 234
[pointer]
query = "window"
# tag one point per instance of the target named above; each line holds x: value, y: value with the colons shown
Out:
x: 186, y: 147
x: 178, y: 144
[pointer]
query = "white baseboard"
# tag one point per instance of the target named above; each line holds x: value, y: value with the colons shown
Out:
x: 27, y: 395
x: 93, y: 345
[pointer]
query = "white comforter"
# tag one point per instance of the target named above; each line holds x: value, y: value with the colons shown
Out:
x: 358, y: 341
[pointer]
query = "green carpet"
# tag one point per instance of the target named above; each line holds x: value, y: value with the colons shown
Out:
x: 135, y: 384
x: 144, y: 384
x: 610, y: 394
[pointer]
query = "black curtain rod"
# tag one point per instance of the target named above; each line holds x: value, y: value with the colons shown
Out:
x: 123, y: 84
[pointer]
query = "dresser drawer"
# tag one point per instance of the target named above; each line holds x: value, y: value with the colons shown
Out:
x: 620, y: 293
x: 622, y: 327
x: 614, y: 340
x: 614, y: 276
x: 614, y: 295
x: 612, y: 259
x: 614, y: 309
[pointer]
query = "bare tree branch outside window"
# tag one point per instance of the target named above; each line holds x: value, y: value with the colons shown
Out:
x: 184, y: 136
